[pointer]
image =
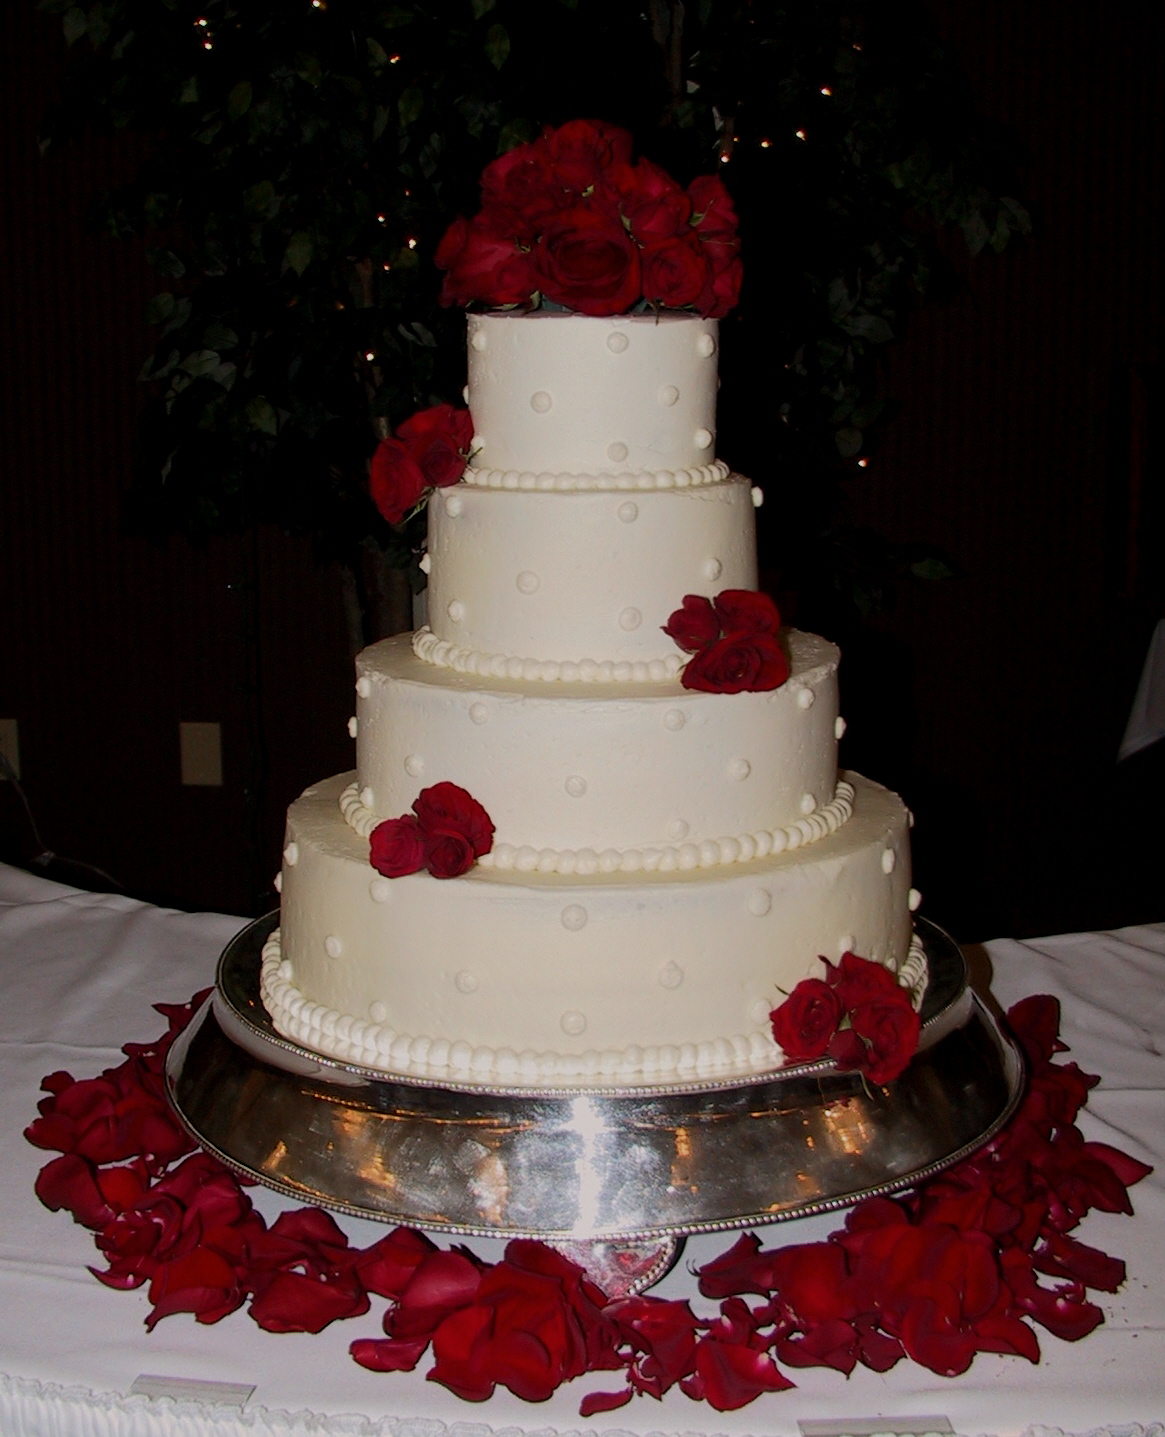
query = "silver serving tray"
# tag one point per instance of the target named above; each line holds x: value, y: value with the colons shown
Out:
x: 644, y: 1162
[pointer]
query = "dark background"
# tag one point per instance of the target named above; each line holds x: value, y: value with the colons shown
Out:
x: 1025, y: 447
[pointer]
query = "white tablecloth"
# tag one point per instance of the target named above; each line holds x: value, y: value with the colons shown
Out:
x: 78, y: 973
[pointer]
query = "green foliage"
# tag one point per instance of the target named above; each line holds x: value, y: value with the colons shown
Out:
x: 305, y: 159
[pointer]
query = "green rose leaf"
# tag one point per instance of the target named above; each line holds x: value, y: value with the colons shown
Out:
x: 166, y: 262
x: 160, y: 308
x: 497, y: 45
x: 261, y: 415
x: 239, y: 100
x: 299, y: 251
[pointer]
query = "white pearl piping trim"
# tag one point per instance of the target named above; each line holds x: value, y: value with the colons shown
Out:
x: 710, y: 853
x: 444, y: 654
x: 693, y: 478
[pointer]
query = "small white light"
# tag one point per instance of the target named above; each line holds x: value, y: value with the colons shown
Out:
x: 370, y: 356
x: 825, y: 90
x: 393, y: 59
x: 766, y: 144
x: 800, y: 134
x: 412, y: 244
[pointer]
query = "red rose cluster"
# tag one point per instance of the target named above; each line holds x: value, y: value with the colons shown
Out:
x: 733, y: 640
x: 858, y: 1014
x: 570, y: 218
x: 447, y: 832
x: 949, y: 1271
x: 429, y: 452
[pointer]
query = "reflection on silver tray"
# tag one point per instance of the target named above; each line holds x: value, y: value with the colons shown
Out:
x: 586, y: 1162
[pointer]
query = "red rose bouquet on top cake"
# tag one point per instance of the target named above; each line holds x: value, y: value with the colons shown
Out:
x: 570, y: 220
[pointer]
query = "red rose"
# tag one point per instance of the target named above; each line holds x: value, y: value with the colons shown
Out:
x: 522, y: 183
x: 714, y: 216
x: 395, y: 480
x: 693, y: 626
x: 746, y: 611
x: 888, y: 1027
x: 582, y: 149
x: 806, y: 1021
x: 586, y: 261
x: 649, y: 200
x: 438, y: 440
x: 725, y: 272
x: 397, y: 847
x: 675, y: 271
x: 483, y: 262
x: 737, y: 663
x: 858, y: 979
x: 446, y: 809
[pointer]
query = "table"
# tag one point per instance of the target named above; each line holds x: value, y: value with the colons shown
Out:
x: 78, y: 974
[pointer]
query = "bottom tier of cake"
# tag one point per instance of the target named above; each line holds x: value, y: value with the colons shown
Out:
x: 532, y: 978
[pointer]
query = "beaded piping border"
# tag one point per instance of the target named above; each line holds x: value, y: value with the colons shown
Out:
x: 446, y: 655
x: 376, y: 1045
x: 694, y: 478
x: 682, y: 858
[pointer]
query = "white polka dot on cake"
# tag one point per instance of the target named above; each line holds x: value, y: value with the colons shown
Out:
x: 527, y: 582
x: 576, y: 785
x: 541, y: 402
x: 291, y: 855
x: 888, y: 861
x: 712, y: 569
x: 739, y: 769
x: 630, y: 619
x: 363, y: 686
x: 674, y: 720
x: 573, y: 1023
x: 453, y: 505
x: 847, y: 943
x: 706, y: 345
x: 702, y: 438
x: 617, y: 342
x: 380, y: 890
x: 628, y: 512
x: 332, y: 946
x: 465, y: 982
x: 478, y: 712
x: 574, y: 917
x: 760, y: 902
x: 353, y: 726
x: 671, y: 975
x: 617, y: 452
x: 669, y: 395
x: 414, y: 765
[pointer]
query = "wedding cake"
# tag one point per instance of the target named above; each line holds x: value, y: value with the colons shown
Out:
x: 660, y: 845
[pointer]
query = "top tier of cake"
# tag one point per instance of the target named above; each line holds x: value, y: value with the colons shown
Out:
x: 560, y: 399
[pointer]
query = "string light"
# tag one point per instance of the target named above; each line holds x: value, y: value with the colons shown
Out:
x: 412, y: 244
x: 825, y: 90
x: 863, y: 463
x: 724, y: 157
x: 394, y: 59
x: 382, y: 219
x: 370, y: 356
x: 203, y: 21
x: 766, y: 144
x: 206, y: 45
x: 801, y: 135
x: 319, y: 4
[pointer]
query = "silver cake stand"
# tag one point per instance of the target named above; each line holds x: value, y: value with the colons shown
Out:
x: 616, y: 1176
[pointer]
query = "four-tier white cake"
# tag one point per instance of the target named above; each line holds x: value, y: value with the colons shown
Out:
x: 667, y: 863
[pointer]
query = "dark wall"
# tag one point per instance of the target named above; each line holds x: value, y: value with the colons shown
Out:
x: 994, y: 702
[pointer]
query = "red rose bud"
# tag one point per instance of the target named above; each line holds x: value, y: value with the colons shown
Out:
x: 448, y: 855
x: 737, y: 663
x: 397, y: 847
x: 726, y: 272
x: 438, y: 440
x: 395, y: 481
x: 746, y: 611
x: 693, y: 626
x: 586, y: 261
x: 713, y: 214
x: 806, y: 1021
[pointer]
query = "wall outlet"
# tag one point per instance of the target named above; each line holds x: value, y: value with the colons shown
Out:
x: 200, y: 750
x: 10, y: 743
